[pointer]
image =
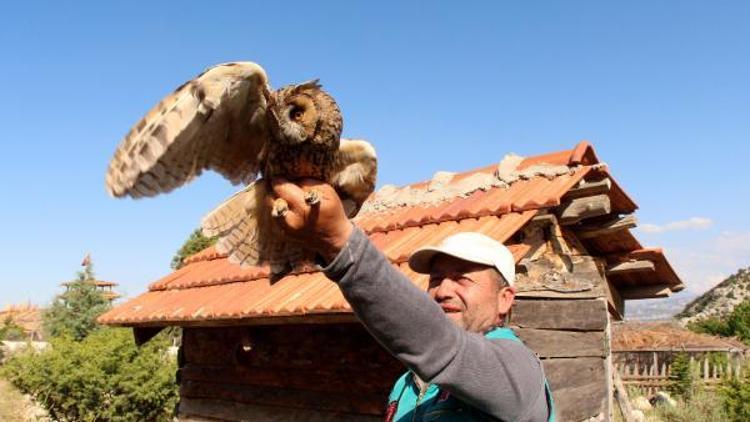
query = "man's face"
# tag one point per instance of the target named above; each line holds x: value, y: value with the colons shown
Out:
x: 469, y: 293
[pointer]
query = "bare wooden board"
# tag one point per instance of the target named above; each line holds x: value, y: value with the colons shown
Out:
x: 353, y: 402
x: 647, y: 292
x: 586, y: 188
x: 608, y: 226
x: 616, y: 302
x: 200, y: 410
x: 584, y: 315
x: 630, y: 267
x: 333, y: 379
x: 579, y: 387
x: 559, y: 344
x: 581, y: 208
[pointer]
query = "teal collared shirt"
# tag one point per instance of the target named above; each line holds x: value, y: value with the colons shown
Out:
x: 405, y: 403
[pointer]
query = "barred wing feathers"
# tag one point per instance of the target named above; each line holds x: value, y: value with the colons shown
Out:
x: 215, y: 121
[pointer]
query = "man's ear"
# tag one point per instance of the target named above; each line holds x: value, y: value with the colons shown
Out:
x: 505, y: 298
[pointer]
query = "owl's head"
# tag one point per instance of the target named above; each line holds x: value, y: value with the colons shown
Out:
x: 304, y: 113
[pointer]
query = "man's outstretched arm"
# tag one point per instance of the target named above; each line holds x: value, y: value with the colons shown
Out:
x: 500, y: 377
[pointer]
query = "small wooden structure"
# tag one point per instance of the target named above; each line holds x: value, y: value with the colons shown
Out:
x: 106, y: 288
x: 292, y: 350
x: 643, y: 352
x: 26, y: 316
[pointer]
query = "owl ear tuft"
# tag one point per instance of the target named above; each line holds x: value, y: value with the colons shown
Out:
x: 313, y: 84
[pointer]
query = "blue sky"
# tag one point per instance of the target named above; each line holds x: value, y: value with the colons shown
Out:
x: 662, y: 90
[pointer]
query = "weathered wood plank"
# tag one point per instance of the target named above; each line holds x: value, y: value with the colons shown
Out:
x: 615, y: 301
x: 647, y: 292
x: 581, y: 208
x: 584, y: 315
x: 144, y: 334
x: 339, y: 379
x: 295, y: 346
x: 609, y: 226
x: 579, y: 387
x: 623, y: 401
x: 629, y: 267
x: 202, y: 410
x: 564, y: 344
x: 585, y: 188
x: 353, y: 402
x: 596, y: 291
x: 560, y: 273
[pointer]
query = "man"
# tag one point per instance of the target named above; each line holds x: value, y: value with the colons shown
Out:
x: 463, y: 364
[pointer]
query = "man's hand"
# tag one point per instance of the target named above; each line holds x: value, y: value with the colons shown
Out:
x: 321, y: 224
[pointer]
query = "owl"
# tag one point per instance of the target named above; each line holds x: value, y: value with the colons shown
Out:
x: 229, y: 120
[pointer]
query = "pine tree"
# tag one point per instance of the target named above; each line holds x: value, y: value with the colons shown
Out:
x: 194, y: 244
x: 683, y: 377
x: 74, y: 312
x: 10, y: 330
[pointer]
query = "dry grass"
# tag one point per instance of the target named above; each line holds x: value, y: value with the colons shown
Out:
x: 14, y: 407
x: 12, y: 404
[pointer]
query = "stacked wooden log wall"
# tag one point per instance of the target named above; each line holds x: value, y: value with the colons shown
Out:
x: 562, y: 313
x: 285, y: 372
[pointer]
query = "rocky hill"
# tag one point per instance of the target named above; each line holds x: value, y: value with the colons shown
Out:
x: 720, y: 300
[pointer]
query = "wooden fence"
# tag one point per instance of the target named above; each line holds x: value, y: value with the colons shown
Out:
x: 656, y: 375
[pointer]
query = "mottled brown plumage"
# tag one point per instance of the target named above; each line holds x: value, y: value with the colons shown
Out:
x: 229, y: 120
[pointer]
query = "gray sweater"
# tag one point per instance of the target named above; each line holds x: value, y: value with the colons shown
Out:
x: 502, y: 378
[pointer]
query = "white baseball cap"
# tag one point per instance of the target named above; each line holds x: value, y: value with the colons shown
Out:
x: 469, y: 246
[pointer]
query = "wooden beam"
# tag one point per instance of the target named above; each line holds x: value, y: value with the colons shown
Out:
x: 621, y: 395
x: 628, y: 267
x: 582, y: 315
x: 579, y: 387
x: 564, y: 344
x: 615, y: 301
x: 610, y: 226
x: 646, y: 292
x: 312, y: 319
x: 585, y: 188
x: 144, y: 334
x: 197, y: 410
x: 581, y: 208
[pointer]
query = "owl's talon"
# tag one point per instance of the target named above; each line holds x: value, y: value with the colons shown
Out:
x: 280, y: 207
x: 312, y: 197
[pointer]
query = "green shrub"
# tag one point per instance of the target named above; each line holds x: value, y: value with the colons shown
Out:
x: 10, y: 330
x: 736, y: 396
x: 683, y: 377
x: 736, y: 324
x: 103, y: 377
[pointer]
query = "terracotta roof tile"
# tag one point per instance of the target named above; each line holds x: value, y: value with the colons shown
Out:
x: 209, y: 289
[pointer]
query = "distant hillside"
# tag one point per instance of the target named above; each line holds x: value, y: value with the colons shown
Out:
x: 720, y: 300
x: 657, y: 309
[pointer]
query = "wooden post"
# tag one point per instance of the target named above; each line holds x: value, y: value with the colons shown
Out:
x: 705, y: 369
x: 621, y: 396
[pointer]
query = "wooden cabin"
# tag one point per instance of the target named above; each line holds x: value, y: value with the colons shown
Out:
x: 643, y: 352
x: 293, y: 350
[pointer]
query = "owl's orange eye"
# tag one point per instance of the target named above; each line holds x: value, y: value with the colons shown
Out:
x: 296, y: 113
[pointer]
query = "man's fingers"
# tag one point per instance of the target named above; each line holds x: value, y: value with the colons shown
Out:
x: 290, y: 192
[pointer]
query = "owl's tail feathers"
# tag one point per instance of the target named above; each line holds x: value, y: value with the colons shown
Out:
x: 247, y: 233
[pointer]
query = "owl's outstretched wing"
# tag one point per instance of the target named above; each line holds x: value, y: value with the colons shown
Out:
x: 216, y: 121
x: 355, y: 172
x: 243, y: 221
